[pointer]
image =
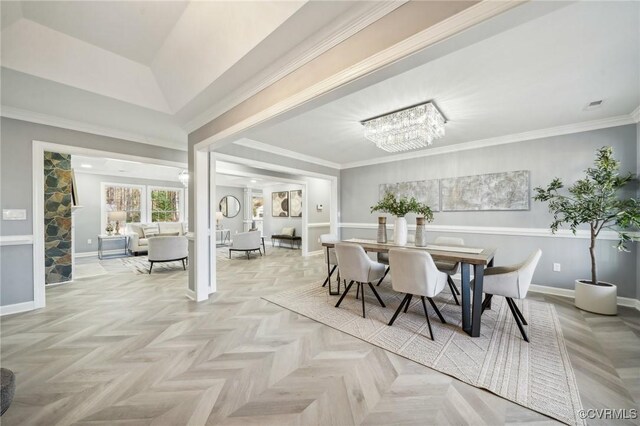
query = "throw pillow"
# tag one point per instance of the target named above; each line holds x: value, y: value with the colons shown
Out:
x: 150, y: 232
x: 289, y: 231
x: 137, y: 229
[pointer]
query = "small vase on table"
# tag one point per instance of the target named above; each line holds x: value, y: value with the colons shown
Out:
x: 382, y: 230
x: 421, y: 234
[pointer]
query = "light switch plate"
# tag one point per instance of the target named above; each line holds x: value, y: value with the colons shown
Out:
x: 14, y: 214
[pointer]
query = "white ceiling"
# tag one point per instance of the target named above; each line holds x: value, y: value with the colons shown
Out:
x: 537, y: 75
x: 153, y: 70
x: 139, y: 170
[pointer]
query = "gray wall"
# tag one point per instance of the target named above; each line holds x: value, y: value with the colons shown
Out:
x: 87, y: 220
x: 273, y: 225
x: 233, y: 224
x: 563, y: 156
x: 16, y: 187
x: 318, y: 192
x: 638, y: 243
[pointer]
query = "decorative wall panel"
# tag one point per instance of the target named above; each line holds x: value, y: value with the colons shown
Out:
x: 494, y: 191
x: 57, y: 217
x: 425, y: 191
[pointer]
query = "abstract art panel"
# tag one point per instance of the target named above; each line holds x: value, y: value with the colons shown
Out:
x: 296, y: 203
x: 493, y: 191
x: 280, y: 204
x: 425, y: 191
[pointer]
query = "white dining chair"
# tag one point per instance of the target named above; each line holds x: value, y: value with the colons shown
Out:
x: 414, y: 273
x: 330, y: 259
x: 512, y: 282
x: 450, y: 268
x: 384, y: 259
x: 356, y: 266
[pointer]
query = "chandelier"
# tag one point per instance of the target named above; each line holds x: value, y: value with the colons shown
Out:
x: 410, y: 128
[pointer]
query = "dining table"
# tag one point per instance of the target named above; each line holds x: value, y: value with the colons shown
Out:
x: 476, y: 258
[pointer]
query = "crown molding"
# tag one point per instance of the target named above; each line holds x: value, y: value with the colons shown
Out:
x: 304, y: 53
x: 261, y: 146
x: 584, y: 126
x: 635, y: 115
x: 79, y: 126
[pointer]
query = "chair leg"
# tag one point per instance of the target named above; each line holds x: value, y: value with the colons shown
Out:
x: 453, y: 288
x: 393, y: 318
x: 385, y: 274
x: 248, y: 255
x: 150, y: 268
x: 344, y: 294
x: 426, y: 314
x: 517, y: 318
x: 487, y: 301
x: 184, y: 266
x: 377, y: 295
x: 362, y: 286
x: 524, y: 321
x: 435, y: 308
x: 229, y: 254
x: 406, y: 307
x: 358, y: 292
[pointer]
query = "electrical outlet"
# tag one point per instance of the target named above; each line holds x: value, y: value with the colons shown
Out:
x: 89, y: 241
x: 556, y: 267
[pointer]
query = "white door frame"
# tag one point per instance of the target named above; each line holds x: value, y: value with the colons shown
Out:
x: 38, y: 149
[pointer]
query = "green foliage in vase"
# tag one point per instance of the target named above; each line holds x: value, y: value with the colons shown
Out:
x: 401, y: 206
x: 594, y: 200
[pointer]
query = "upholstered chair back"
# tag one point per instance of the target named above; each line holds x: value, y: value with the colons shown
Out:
x: 413, y: 272
x: 353, y: 262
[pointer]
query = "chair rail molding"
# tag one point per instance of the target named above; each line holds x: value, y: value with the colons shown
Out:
x: 319, y: 225
x: 16, y: 240
x: 495, y: 230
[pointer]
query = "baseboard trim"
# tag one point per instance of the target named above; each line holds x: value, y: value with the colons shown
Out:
x: 190, y: 294
x: 17, y: 308
x: 315, y: 253
x: 566, y: 292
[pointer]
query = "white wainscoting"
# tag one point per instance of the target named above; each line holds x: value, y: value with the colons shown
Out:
x: 494, y: 230
x: 318, y: 225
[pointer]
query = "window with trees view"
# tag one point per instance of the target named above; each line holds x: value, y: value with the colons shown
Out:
x: 165, y: 204
x: 127, y: 198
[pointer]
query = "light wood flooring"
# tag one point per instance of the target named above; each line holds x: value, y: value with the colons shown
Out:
x: 132, y: 349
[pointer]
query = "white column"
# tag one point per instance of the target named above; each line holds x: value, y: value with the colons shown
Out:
x: 248, y: 207
x: 201, y: 214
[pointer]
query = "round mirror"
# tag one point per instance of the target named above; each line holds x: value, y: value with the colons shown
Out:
x: 229, y: 206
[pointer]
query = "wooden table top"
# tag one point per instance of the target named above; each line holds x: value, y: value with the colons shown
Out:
x: 437, y: 252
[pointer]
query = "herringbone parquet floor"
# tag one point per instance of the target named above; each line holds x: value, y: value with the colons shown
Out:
x: 131, y: 349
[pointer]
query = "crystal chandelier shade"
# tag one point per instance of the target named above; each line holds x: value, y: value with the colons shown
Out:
x: 410, y: 128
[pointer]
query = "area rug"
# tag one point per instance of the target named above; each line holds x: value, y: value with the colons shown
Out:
x: 537, y: 375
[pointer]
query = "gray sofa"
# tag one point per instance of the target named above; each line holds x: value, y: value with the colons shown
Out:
x: 139, y: 234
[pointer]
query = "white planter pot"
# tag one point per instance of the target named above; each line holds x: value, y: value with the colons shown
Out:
x: 400, y: 231
x: 599, y: 299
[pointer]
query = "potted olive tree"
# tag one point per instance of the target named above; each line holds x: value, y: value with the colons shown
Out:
x: 595, y: 200
x: 400, y: 207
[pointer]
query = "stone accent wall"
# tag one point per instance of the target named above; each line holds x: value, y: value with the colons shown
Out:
x: 57, y: 217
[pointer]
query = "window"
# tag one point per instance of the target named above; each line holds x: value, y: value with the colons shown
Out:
x: 166, y: 204
x: 127, y: 198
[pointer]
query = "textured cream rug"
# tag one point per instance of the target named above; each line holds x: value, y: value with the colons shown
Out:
x: 536, y: 375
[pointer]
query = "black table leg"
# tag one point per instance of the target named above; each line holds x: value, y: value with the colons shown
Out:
x: 329, y: 272
x: 466, y: 296
x: 478, y: 278
x: 488, y: 306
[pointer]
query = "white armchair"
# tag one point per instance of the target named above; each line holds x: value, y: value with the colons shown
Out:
x: 246, y: 242
x: 168, y: 249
